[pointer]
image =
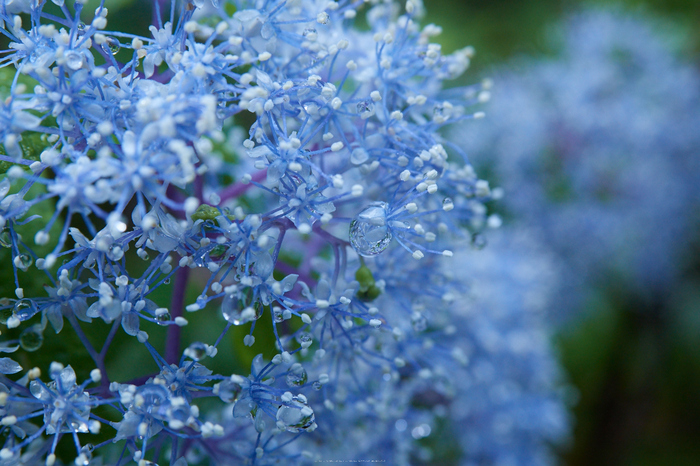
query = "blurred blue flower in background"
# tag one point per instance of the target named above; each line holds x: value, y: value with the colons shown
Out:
x: 596, y: 150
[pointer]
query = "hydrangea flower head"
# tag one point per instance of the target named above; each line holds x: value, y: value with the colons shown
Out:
x: 319, y: 227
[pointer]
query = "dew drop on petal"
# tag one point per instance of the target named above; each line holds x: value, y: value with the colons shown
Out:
x: 112, y: 45
x: 369, y: 232
x: 31, y: 338
x: 308, y: 31
x: 5, y: 314
x: 296, y: 416
x: 24, y: 309
x: 196, y: 351
x: 296, y: 377
x: 163, y: 318
x: 25, y: 261
x: 74, y: 60
x: 236, y: 312
x: 6, y: 238
x: 365, y: 109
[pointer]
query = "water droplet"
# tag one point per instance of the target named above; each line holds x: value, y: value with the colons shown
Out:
x: 317, y: 385
x: 6, y: 238
x: 5, y: 314
x: 305, y: 339
x: 196, y: 351
x: 278, y: 315
x: 218, y: 250
x: 311, y: 107
x: 112, y: 46
x: 229, y: 391
x: 163, y: 317
x: 478, y: 241
x: 166, y: 281
x: 447, y: 204
x: 74, y: 60
x: 116, y: 253
x: 239, y: 311
x: 86, y: 453
x: 365, y: 109
x: 296, y: 416
x: 24, y: 261
x: 81, y: 26
x: 369, y: 232
x: 323, y: 18
x: 25, y: 309
x: 32, y: 338
x: 308, y: 31
x: 419, y: 322
x: 296, y: 377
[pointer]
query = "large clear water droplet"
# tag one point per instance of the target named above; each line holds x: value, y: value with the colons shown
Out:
x: 24, y: 309
x: 24, y: 261
x: 32, y: 338
x: 296, y: 416
x: 74, y: 60
x: 369, y: 232
x: 112, y: 46
x: 229, y: 391
x: 238, y: 311
x: 196, y: 351
x: 296, y: 377
x: 311, y: 108
x: 6, y: 238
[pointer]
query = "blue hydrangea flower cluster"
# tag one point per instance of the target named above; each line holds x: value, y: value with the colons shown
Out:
x: 334, y: 217
x: 599, y: 148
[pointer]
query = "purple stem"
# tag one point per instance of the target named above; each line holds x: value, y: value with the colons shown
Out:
x: 172, y: 342
x: 239, y: 188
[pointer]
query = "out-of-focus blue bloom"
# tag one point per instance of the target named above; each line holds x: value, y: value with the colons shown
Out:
x: 332, y: 214
x: 597, y: 149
